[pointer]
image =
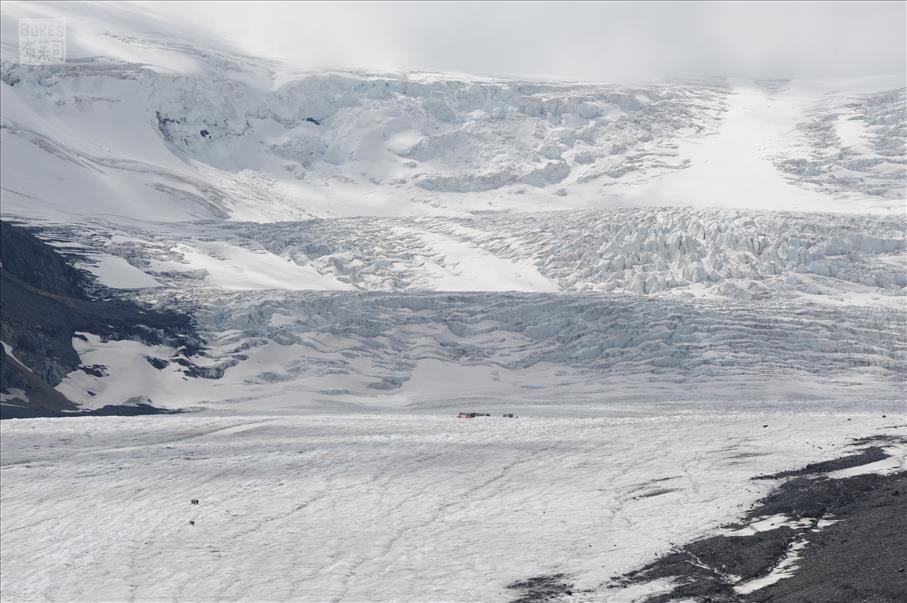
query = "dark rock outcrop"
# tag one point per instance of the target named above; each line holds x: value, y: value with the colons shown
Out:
x: 858, y: 558
x: 43, y: 303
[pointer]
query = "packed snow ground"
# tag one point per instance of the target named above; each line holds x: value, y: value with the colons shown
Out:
x: 382, y: 507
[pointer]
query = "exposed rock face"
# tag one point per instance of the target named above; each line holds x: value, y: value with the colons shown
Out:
x: 43, y: 304
x: 36, y: 264
x: 853, y: 557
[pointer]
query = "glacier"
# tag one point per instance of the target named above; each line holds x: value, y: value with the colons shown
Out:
x: 675, y: 286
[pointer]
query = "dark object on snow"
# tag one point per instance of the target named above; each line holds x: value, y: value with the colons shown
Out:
x: 312, y: 120
x: 204, y: 133
x: 541, y: 588
x: 158, y: 363
x: 508, y: 415
x: 191, y: 522
x: 870, y: 454
x: 194, y: 501
x: 130, y: 409
x: 764, y: 426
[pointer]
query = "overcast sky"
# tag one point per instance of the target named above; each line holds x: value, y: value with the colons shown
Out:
x: 580, y: 41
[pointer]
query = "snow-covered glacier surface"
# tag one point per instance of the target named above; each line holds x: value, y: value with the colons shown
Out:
x: 687, y: 252
x: 150, y: 124
x: 852, y: 143
x: 675, y: 285
x: 360, y: 238
x: 359, y: 507
x: 603, y: 305
x: 444, y: 350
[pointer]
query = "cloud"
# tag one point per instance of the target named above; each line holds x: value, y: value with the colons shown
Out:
x: 579, y: 41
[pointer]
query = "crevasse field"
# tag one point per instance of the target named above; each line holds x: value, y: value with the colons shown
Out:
x: 674, y: 286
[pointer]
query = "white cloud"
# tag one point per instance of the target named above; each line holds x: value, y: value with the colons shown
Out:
x: 585, y: 41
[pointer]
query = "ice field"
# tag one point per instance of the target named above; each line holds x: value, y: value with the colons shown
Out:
x: 382, y: 507
x: 677, y: 286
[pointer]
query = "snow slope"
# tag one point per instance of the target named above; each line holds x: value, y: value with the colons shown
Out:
x: 852, y: 143
x: 147, y: 123
x: 239, y: 190
x: 780, y: 133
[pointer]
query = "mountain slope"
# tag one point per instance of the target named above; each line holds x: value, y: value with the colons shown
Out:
x: 149, y: 124
x: 44, y: 306
x: 394, y: 239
